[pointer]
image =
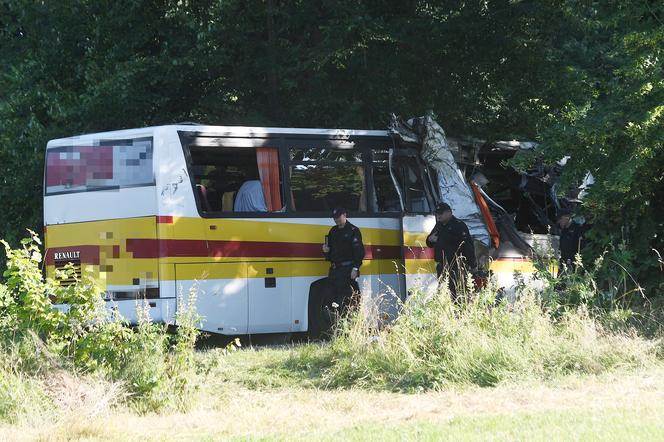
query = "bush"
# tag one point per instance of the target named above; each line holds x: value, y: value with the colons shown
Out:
x: 604, y: 284
x: 155, y: 368
x: 435, y: 343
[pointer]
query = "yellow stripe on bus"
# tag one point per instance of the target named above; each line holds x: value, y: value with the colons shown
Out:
x: 247, y: 230
x: 108, y: 232
x: 280, y: 269
x: 415, y: 239
x: 124, y: 269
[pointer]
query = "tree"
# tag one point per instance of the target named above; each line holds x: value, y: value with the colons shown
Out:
x: 613, y: 126
x: 583, y: 78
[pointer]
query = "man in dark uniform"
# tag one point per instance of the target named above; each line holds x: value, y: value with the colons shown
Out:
x: 344, y: 249
x: 453, y: 247
x: 571, y: 239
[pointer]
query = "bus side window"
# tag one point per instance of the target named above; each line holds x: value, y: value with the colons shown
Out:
x: 411, y: 179
x: 415, y: 193
x: 236, y: 179
x: 322, y: 179
x: 386, y: 198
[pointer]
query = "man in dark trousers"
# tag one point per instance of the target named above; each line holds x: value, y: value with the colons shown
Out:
x: 571, y: 239
x: 344, y: 249
x: 453, y: 247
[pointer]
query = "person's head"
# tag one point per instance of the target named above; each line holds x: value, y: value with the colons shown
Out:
x: 443, y: 213
x: 340, y: 216
x: 564, y: 218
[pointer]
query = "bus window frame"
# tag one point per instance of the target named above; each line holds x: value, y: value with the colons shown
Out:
x: 284, y: 143
x: 373, y: 162
x: 198, y: 139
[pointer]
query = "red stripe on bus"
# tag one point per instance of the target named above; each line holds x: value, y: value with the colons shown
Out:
x: 382, y: 252
x: 153, y: 248
x: 164, y: 220
x: 417, y: 252
x: 427, y: 253
x: 247, y: 249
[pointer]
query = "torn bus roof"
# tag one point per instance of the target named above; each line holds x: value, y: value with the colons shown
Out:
x: 452, y: 187
x: 519, y: 201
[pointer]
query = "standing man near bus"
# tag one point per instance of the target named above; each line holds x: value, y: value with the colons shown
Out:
x: 344, y: 249
x: 571, y: 239
x: 453, y: 247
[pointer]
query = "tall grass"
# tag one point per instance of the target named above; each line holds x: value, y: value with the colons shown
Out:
x: 435, y: 343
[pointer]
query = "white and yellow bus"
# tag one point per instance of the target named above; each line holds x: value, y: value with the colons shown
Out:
x: 240, y: 212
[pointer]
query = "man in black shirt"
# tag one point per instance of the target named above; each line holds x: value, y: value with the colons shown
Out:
x: 571, y: 239
x: 344, y: 249
x: 453, y: 247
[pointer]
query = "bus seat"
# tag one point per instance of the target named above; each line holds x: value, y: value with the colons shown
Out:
x: 202, y: 192
x: 227, y: 201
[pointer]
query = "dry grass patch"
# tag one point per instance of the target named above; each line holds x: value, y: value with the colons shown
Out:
x: 293, y: 412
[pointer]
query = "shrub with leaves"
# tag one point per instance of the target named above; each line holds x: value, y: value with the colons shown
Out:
x: 70, y: 328
x: 604, y: 284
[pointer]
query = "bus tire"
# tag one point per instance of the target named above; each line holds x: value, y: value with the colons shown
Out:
x: 322, y: 312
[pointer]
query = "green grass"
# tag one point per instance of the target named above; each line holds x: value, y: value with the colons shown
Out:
x: 297, y: 366
x: 616, y: 424
x: 435, y: 345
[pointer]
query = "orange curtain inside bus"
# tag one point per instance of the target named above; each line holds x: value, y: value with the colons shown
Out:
x: 268, y: 168
x: 486, y: 213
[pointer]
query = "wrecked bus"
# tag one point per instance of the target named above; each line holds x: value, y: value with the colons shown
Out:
x: 240, y: 214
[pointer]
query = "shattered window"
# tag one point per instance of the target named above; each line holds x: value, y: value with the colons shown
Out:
x: 318, y: 154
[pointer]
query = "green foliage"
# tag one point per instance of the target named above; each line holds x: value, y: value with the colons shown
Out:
x: 604, y: 285
x: 30, y: 298
x: 156, y: 368
x: 614, y: 128
x: 95, y: 66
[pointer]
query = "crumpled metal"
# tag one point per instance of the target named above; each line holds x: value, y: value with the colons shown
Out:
x: 452, y: 186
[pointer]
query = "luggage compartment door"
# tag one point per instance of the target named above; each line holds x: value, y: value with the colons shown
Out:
x: 222, y: 294
x: 270, y: 287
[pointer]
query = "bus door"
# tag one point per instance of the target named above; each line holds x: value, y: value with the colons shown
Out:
x: 262, y: 246
x: 418, y: 200
x: 420, y: 268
